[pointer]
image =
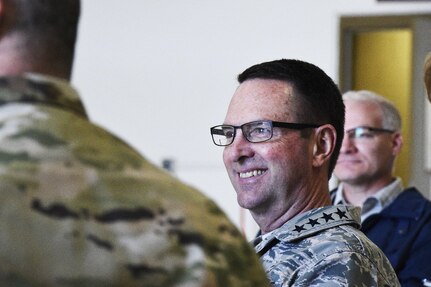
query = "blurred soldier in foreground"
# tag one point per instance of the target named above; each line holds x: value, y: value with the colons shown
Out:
x: 78, y: 206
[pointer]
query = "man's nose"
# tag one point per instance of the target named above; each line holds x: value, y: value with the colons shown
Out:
x: 240, y: 148
x: 348, y: 144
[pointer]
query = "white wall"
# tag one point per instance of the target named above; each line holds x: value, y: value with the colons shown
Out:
x: 159, y: 73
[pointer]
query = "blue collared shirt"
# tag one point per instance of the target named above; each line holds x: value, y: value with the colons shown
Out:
x: 377, y: 202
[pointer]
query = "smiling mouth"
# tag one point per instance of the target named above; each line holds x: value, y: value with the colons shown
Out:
x: 251, y: 173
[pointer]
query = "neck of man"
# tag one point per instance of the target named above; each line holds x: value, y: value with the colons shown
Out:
x: 16, y: 59
x: 310, y: 197
x: 357, y: 192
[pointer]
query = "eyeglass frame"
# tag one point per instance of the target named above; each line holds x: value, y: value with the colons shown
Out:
x: 372, y: 129
x: 272, y: 124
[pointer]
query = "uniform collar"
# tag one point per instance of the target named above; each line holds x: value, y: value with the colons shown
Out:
x: 36, y: 88
x: 312, y: 222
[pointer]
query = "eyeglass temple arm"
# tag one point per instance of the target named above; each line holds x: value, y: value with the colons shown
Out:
x: 294, y: 125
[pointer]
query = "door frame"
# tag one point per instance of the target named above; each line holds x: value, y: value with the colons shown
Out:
x: 420, y: 25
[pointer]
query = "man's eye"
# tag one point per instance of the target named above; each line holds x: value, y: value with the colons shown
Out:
x: 364, y: 135
x: 228, y: 133
x: 259, y: 131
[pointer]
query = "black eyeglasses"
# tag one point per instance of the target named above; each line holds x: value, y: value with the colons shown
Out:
x: 365, y: 132
x: 254, y: 132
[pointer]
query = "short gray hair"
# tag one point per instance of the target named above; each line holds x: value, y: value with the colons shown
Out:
x: 391, y: 118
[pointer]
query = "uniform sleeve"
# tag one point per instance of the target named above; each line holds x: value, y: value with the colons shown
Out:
x: 340, y: 269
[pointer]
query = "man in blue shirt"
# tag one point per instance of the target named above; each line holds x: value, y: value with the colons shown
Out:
x: 398, y: 220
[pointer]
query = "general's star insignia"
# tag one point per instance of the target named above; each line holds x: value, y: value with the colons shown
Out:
x: 299, y: 228
x: 327, y: 217
x: 313, y: 222
x: 341, y: 214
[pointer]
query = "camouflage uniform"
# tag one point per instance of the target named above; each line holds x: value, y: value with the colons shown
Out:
x: 323, y: 247
x: 79, y: 207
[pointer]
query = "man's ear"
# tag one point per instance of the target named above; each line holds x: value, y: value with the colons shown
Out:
x: 2, y: 13
x: 397, y: 143
x: 1, y: 8
x: 325, y: 137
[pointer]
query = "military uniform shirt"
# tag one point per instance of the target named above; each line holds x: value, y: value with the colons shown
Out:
x: 80, y: 208
x: 323, y: 247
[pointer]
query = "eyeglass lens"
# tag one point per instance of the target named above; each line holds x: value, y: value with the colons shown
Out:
x: 359, y: 133
x: 223, y: 135
x: 254, y: 132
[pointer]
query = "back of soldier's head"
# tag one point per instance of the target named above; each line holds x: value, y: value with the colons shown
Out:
x: 46, y: 30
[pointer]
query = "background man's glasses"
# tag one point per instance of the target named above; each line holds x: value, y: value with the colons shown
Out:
x: 254, y: 132
x: 364, y: 132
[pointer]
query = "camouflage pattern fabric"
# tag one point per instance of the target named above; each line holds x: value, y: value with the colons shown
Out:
x: 79, y: 207
x: 323, y: 247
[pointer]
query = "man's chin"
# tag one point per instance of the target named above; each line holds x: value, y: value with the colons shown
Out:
x: 252, y: 204
x: 246, y: 203
x: 347, y: 173
x: 347, y: 178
